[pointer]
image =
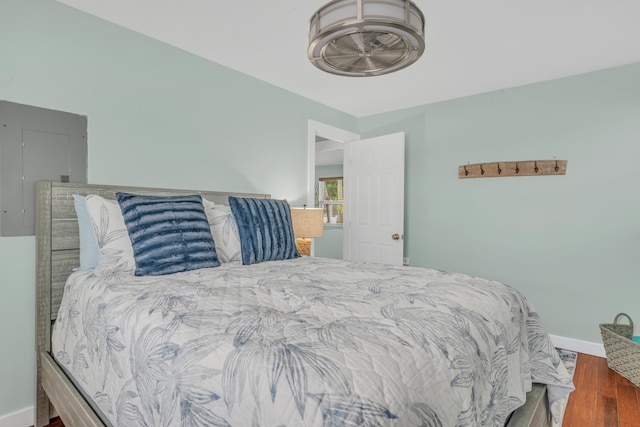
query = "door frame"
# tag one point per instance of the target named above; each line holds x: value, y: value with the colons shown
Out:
x: 318, y: 129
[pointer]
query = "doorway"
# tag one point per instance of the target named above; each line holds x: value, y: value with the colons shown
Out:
x: 325, y: 160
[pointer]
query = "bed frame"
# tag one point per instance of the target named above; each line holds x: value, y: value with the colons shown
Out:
x: 57, y: 254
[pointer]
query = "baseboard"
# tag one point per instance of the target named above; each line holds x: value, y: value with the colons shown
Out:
x: 592, y: 348
x: 22, y: 418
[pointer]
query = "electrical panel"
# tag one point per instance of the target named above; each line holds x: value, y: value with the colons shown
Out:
x: 36, y: 144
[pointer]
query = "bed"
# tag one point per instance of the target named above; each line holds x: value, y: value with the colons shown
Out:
x: 301, y: 341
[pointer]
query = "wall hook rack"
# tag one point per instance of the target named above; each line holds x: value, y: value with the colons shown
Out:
x: 519, y: 168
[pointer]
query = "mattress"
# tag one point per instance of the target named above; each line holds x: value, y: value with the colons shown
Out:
x: 304, y: 342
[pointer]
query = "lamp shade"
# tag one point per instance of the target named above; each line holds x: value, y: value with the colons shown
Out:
x: 307, y: 222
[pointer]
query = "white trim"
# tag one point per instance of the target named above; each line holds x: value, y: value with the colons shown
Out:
x: 592, y: 348
x: 315, y: 129
x: 21, y: 418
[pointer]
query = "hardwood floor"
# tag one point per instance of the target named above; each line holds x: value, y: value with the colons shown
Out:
x: 56, y: 423
x: 602, y: 397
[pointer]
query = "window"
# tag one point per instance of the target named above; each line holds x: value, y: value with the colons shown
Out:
x: 330, y: 198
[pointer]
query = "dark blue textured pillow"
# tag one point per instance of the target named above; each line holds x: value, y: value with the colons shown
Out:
x: 168, y: 234
x: 265, y: 228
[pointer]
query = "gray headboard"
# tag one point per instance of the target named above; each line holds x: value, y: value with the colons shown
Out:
x: 58, y: 249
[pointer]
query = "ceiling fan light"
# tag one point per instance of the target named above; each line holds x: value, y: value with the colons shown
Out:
x: 366, y: 37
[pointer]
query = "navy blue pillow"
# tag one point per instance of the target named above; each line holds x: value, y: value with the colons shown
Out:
x: 265, y: 228
x: 168, y: 234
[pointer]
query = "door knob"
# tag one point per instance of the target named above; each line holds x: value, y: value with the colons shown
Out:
x: 396, y: 236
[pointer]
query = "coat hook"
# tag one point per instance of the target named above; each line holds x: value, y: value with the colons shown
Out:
x: 499, y: 170
x: 466, y: 172
x: 536, y: 166
x: 481, y: 169
x: 517, y: 168
x: 557, y: 168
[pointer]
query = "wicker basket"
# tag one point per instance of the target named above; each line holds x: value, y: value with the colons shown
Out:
x: 623, y: 354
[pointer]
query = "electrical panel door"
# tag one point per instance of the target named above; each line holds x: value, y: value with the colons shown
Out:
x: 36, y: 144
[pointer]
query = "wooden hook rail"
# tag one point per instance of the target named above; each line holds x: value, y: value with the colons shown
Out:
x: 522, y: 168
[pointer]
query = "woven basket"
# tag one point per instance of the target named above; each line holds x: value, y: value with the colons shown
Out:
x: 623, y: 354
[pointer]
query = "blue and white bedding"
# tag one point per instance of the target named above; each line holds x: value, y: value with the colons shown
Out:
x: 303, y: 342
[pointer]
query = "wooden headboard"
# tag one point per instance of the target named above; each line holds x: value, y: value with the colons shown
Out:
x: 58, y: 253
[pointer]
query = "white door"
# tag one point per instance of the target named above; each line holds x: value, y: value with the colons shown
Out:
x: 374, y: 199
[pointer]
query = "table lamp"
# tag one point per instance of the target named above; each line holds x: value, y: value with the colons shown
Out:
x: 307, y: 223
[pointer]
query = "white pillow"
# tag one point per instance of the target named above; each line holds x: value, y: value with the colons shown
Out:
x: 111, y: 233
x: 224, y: 230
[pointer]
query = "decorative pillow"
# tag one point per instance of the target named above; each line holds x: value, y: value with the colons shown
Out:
x: 168, y: 234
x: 110, y: 233
x: 224, y: 230
x: 266, y: 231
x: 89, y: 251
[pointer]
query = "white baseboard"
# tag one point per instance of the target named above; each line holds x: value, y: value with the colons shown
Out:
x: 592, y: 348
x: 22, y: 418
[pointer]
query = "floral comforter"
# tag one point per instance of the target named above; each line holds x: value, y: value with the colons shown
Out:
x: 304, y: 342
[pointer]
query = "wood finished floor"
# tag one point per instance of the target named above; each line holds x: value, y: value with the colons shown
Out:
x: 602, y: 397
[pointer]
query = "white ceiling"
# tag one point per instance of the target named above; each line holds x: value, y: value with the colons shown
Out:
x: 329, y: 152
x: 472, y: 46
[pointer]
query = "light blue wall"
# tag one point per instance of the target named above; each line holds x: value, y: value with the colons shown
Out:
x: 571, y: 243
x: 161, y: 117
x: 330, y: 244
x: 157, y: 117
